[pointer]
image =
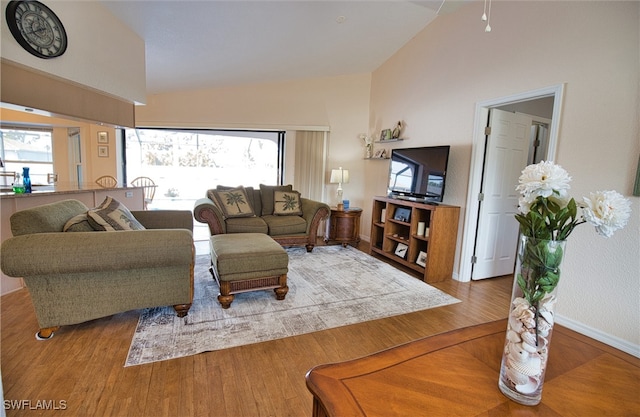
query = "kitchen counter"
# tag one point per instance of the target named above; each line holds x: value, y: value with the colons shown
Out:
x: 57, y: 189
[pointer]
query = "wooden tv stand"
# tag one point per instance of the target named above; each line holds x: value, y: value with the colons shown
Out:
x: 439, y: 244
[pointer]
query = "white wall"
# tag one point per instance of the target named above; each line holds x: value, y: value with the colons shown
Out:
x: 95, y: 56
x: 338, y: 104
x: 434, y: 82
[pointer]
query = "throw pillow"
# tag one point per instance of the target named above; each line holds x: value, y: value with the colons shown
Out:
x: 251, y: 195
x: 266, y: 195
x: 233, y: 203
x: 79, y: 223
x: 112, y: 215
x: 287, y: 203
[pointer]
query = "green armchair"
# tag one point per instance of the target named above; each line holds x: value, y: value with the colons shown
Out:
x: 74, y: 277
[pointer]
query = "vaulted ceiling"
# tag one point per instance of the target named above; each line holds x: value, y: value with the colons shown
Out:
x: 215, y: 43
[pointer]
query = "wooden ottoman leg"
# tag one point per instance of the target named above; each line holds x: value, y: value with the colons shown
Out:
x: 282, y: 290
x: 182, y: 309
x: 46, y: 333
x: 225, y: 297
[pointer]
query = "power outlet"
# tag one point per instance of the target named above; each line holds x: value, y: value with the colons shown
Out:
x: 128, y: 194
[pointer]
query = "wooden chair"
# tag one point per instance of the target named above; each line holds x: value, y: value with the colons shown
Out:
x: 148, y: 187
x: 107, y: 181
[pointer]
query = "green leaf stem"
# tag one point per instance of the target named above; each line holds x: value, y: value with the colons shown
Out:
x: 539, y: 272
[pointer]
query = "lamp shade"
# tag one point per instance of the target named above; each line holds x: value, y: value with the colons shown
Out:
x: 339, y: 176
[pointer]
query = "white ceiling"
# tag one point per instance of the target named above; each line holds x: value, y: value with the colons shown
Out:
x: 214, y: 43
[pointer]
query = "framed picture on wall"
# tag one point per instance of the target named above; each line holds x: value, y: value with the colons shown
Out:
x: 103, y: 151
x: 103, y: 137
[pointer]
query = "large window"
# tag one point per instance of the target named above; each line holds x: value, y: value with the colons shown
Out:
x: 185, y: 163
x: 21, y: 148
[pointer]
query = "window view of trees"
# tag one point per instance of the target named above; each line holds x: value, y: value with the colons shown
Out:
x: 186, y: 163
x: 21, y: 148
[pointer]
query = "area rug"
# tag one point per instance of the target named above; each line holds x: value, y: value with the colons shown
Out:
x: 329, y: 287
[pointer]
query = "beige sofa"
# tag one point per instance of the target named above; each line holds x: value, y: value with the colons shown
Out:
x: 278, y: 211
x: 74, y: 277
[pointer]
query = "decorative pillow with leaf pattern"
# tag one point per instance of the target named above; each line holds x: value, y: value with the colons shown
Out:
x: 112, y: 215
x: 287, y: 203
x: 79, y: 223
x: 234, y: 202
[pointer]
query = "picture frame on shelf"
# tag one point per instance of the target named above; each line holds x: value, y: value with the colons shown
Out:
x: 380, y: 154
x: 402, y: 214
x: 385, y: 134
x: 422, y: 259
x: 401, y: 250
x: 103, y: 137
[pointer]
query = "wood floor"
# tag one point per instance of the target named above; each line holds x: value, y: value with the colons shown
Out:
x: 81, y: 368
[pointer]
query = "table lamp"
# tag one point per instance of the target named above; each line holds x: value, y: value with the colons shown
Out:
x: 339, y: 176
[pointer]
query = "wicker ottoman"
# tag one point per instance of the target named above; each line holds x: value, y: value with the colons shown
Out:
x: 242, y: 262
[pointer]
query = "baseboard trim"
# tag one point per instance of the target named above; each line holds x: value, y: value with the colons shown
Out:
x: 600, y: 336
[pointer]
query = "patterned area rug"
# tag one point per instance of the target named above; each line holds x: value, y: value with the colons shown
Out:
x: 330, y: 287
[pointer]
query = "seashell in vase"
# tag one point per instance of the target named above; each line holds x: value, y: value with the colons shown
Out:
x: 547, y: 316
x: 517, y: 377
x: 528, y: 388
x: 531, y: 348
x: 529, y: 338
x: 544, y: 328
x: 530, y: 367
x: 513, y: 336
x: 517, y: 355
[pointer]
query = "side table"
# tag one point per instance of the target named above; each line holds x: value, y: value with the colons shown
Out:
x: 344, y: 226
x: 456, y: 374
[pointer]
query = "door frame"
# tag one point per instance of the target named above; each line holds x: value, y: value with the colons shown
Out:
x: 478, y: 156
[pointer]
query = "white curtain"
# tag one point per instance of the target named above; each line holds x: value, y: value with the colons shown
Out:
x: 309, y: 164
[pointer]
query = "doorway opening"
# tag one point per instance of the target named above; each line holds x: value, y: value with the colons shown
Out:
x: 479, y: 155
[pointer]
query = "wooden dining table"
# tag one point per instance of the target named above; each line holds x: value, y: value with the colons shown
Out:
x: 456, y: 374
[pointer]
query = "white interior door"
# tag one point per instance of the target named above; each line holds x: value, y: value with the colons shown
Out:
x: 506, y: 156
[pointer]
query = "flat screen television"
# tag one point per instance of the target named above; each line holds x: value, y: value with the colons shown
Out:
x: 418, y: 174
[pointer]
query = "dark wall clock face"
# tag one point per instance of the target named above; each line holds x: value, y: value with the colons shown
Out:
x: 36, y: 28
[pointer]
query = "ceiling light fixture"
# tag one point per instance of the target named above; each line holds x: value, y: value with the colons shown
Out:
x: 485, y: 17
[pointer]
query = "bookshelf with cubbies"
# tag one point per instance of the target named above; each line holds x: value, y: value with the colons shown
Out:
x: 395, y: 235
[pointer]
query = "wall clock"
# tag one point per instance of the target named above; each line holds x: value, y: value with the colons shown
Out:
x: 36, y: 28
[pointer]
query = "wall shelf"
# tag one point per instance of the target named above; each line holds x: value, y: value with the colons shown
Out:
x: 389, y: 140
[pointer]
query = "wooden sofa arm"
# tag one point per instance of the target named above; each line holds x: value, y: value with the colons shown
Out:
x: 205, y: 211
x: 313, y: 212
x: 79, y: 252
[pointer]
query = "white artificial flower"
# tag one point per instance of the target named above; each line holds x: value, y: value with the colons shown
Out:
x: 607, y: 211
x: 544, y: 179
x: 525, y: 202
x: 366, y: 139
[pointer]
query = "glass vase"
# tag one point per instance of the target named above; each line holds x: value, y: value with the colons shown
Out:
x: 531, y: 318
x: 26, y: 180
